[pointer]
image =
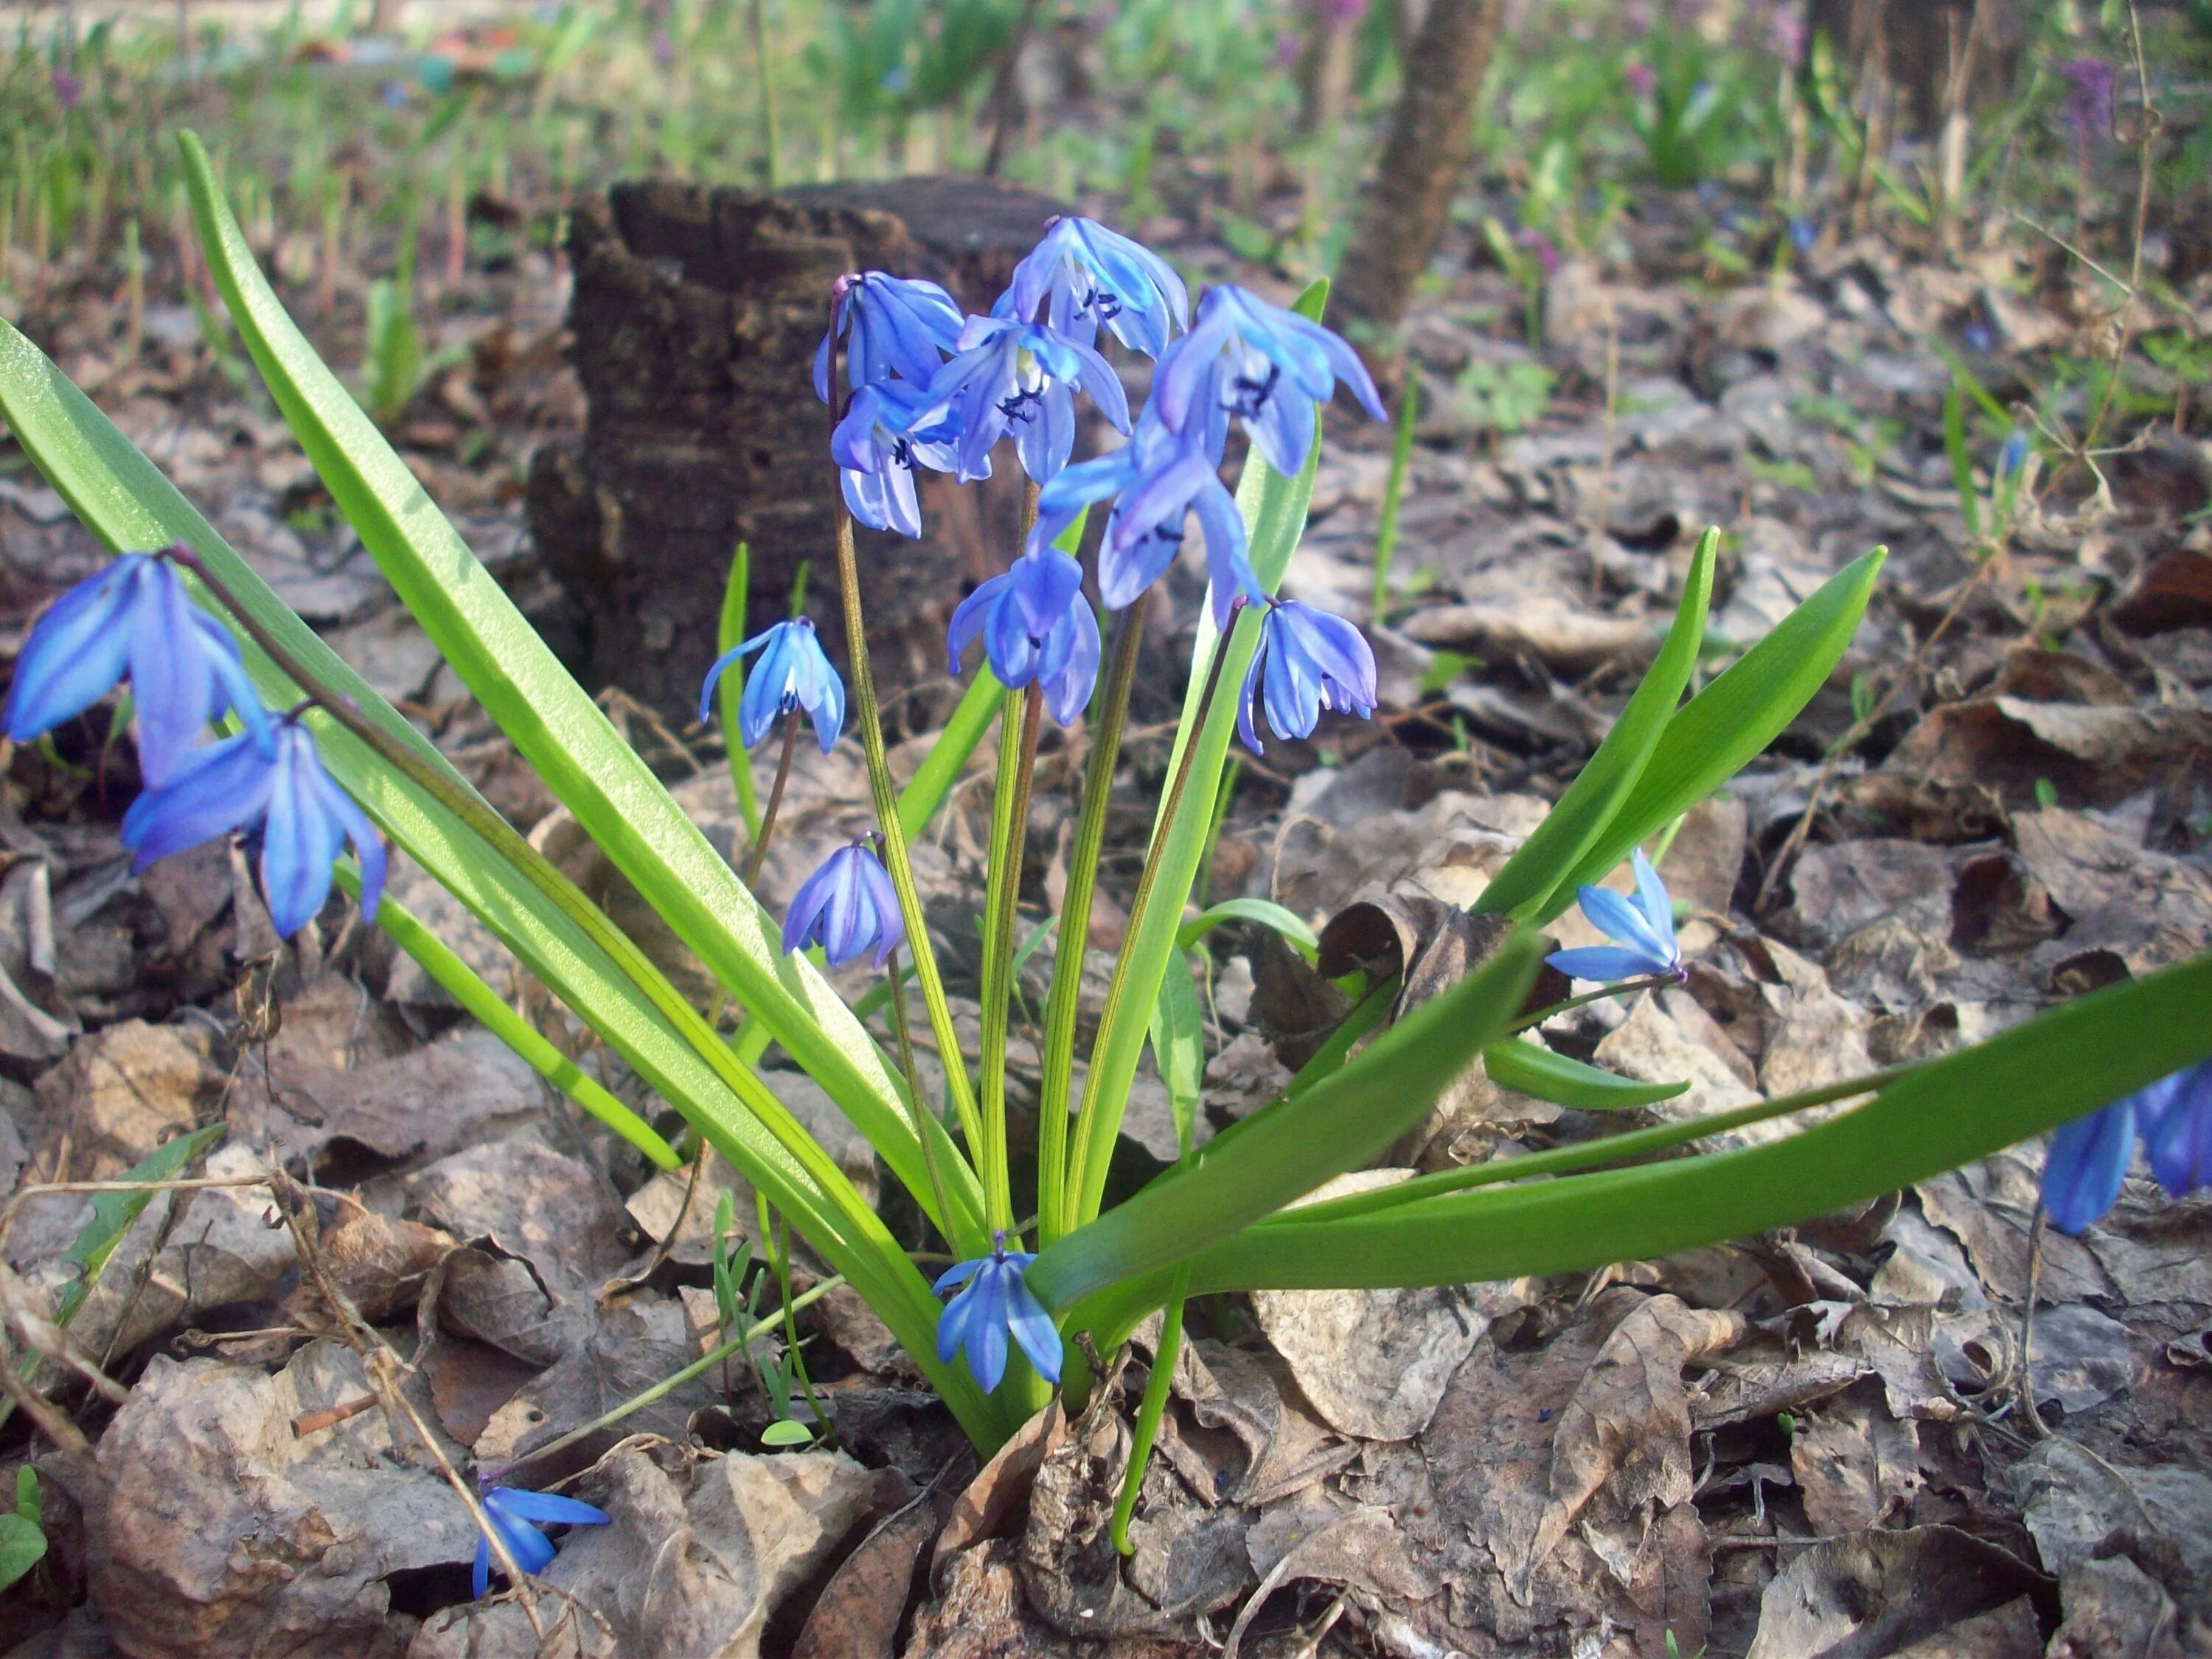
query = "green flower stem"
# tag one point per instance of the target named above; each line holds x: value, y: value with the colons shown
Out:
x: 1069, y: 949
x: 869, y: 719
x: 1150, y: 1410
x: 759, y: 850
x: 1623, y: 989
x: 1010, y: 817
x: 927, y: 1128
x: 1100, y: 1121
x: 730, y: 693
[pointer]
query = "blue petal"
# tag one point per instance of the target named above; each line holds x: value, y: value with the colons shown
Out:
x: 233, y: 687
x: 480, y: 1579
x: 807, y: 905
x: 2180, y: 1139
x: 549, y: 1508
x: 1069, y: 693
x: 985, y: 1342
x: 298, y: 839
x: 215, y: 790
x: 959, y: 1274
x: 1651, y: 898
x: 76, y: 651
x: 883, y: 896
x: 1604, y: 964
x: 953, y: 1321
x: 968, y: 618
x: 1033, y: 1328
x: 2085, y: 1166
x: 1614, y: 916
x: 368, y: 845
x: 1253, y: 671
x: 714, y: 678
x: 171, y: 682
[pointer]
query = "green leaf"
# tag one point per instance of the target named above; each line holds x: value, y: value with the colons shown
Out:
x: 1534, y: 1070
x: 947, y: 758
x: 787, y: 1431
x: 1265, y: 912
x: 22, y: 1545
x: 1569, y: 830
x: 1179, y: 1050
x: 730, y: 689
x: 1731, y: 721
x: 1279, y: 1154
x: 1962, y: 464
x: 113, y: 1214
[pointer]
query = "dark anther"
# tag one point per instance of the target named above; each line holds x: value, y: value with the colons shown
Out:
x: 1252, y: 395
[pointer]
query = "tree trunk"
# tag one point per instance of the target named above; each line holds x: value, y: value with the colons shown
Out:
x: 1925, y: 44
x: 1432, y: 135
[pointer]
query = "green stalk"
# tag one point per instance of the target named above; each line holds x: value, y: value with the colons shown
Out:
x: 1069, y: 951
x: 730, y: 693
x: 1099, y: 1121
x: 1150, y: 1410
x: 759, y: 851
x: 1401, y: 455
x: 1010, y: 816
x: 927, y: 1128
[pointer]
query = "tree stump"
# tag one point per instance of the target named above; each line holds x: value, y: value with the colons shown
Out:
x: 695, y: 318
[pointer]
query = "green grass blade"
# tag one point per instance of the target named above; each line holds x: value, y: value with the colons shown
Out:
x: 1565, y: 1082
x: 1572, y: 828
x: 730, y: 689
x: 1732, y: 720
x: 1265, y: 912
x: 1178, y: 1037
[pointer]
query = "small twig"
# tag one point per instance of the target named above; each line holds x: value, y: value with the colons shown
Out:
x: 2027, y: 1321
x: 759, y: 852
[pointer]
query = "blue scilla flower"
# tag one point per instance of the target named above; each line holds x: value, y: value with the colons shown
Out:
x: 1279, y: 364
x: 2177, y: 1129
x: 516, y: 1516
x: 1307, y: 660
x: 2013, y: 455
x: 794, y: 673
x: 133, y: 617
x: 1020, y: 377
x: 1643, y: 926
x: 1082, y: 274
x: 2089, y: 1157
x: 280, y: 786
x: 846, y: 906
x: 893, y: 325
x: 878, y: 446
x: 1035, y: 625
x: 996, y: 1300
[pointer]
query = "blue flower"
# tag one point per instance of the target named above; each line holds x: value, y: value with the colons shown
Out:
x: 1083, y: 275
x: 1021, y: 376
x: 1803, y: 233
x: 845, y: 906
x: 304, y: 818
x: 896, y: 325
x: 877, y: 447
x: 1644, y: 925
x: 1307, y: 660
x: 794, y: 673
x: 2088, y: 1160
x: 2013, y: 455
x: 1280, y: 365
x: 996, y: 1300
x: 133, y: 617
x: 1035, y: 625
x: 517, y: 1516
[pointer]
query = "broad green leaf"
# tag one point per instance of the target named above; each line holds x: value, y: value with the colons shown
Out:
x: 1534, y: 1070
x: 1274, y: 509
x: 1292, y: 1147
x: 1731, y: 721
x: 730, y: 689
x: 554, y: 723
x: 1573, y: 826
x: 1265, y: 912
x: 22, y: 1546
x: 113, y: 1214
x: 1179, y: 1049
x: 787, y: 1431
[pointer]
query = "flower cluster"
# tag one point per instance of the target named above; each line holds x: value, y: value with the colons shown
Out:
x: 133, y: 620
x: 2089, y: 1156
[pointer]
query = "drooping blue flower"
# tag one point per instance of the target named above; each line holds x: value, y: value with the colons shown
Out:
x: 133, y: 617
x: 846, y: 906
x: 1644, y: 925
x: 794, y: 673
x: 898, y: 325
x: 1083, y: 274
x: 2087, y: 1160
x: 304, y: 819
x: 877, y: 447
x: 2175, y: 1116
x: 1307, y: 660
x: 997, y: 1300
x: 1035, y: 625
x: 517, y: 1516
x: 1279, y: 364
x: 1009, y: 375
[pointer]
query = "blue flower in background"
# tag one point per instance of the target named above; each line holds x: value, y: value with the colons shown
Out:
x: 1644, y: 925
x: 877, y: 449
x: 2013, y: 455
x: 1083, y: 275
x: 894, y: 326
x: 996, y: 1300
x: 2176, y: 1114
x: 794, y: 673
x: 845, y: 906
x: 1009, y: 375
x: 280, y: 786
x: 1035, y: 625
x: 2088, y: 1160
x: 1279, y: 364
x: 1804, y: 233
x: 1307, y: 660
x: 517, y: 1516
x: 133, y: 616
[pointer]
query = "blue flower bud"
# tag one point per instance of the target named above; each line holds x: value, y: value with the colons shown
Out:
x: 893, y: 325
x: 846, y: 906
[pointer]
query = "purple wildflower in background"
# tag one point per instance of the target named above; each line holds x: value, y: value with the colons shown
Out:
x: 1035, y: 625
x: 1007, y: 376
x: 132, y: 617
x: 794, y: 673
x: 1643, y: 79
x: 1643, y: 928
x: 996, y: 1301
x: 516, y: 1516
x: 69, y: 91
x: 897, y: 325
x: 1307, y: 660
x: 278, y: 786
x: 1082, y: 274
x: 1546, y: 249
x: 846, y: 906
x: 878, y: 446
x: 1279, y: 364
x: 2089, y: 104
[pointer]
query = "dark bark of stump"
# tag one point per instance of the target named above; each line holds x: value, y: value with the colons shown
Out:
x: 695, y: 316
x: 1916, y: 40
x: 1431, y: 134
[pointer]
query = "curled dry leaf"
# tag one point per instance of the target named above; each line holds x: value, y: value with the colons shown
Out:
x: 1874, y: 1593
